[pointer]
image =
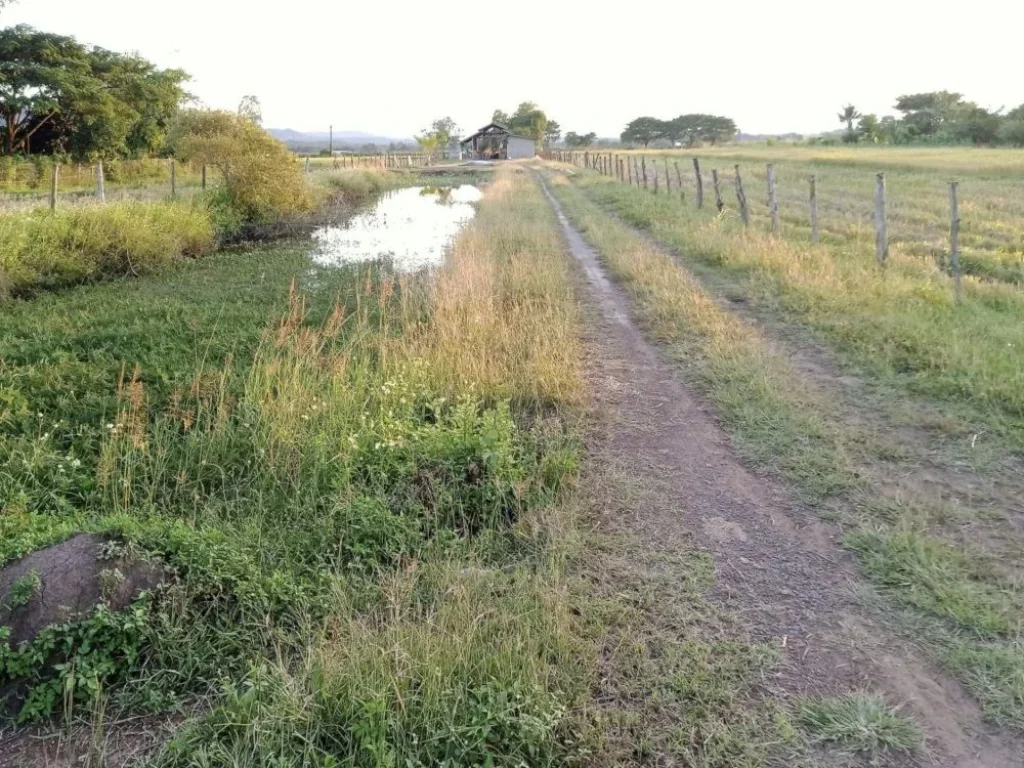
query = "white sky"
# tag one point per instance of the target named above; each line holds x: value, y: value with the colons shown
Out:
x: 391, y: 67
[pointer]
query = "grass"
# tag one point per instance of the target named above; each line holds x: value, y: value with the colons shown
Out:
x: 860, y: 722
x: 901, y: 324
x: 362, y: 500
x: 943, y: 582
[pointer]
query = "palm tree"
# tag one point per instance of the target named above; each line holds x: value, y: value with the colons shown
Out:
x: 848, y: 115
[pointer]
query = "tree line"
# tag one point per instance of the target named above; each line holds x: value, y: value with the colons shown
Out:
x: 60, y: 97
x: 690, y: 130
x: 936, y: 117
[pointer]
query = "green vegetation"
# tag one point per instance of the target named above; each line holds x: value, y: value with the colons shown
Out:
x: 377, y: 470
x: 860, y: 722
x: 61, y: 97
x: 942, y: 564
x: 23, y: 589
x: 44, y: 250
x: 691, y: 130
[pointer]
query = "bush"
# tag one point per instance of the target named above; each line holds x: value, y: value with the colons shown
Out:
x: 261, y: 178
x: 48, y: 249
x: 1012, y: 132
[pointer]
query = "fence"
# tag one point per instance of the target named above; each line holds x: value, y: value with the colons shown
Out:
x: 645, y: 171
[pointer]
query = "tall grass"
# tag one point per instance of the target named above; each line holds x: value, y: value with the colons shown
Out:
x: 48, y: 249
x: 901, y: 322
x: 367, y: 524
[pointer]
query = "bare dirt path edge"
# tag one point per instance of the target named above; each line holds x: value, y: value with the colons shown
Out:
x: 776, y: 565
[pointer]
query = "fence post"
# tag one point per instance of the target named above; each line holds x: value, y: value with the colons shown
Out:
x: 700, y: 183
x: 643, y: 167
x: 679, y: 178
x: 654, y: 168
x: 636, y: 172
x: 814, y: 209
x: 881, y: 236
x: 668, y: 179
x: 718, y: 192
x: 954, y: 242
x: 307, y: 165
x: 773, y: 202
x: 203, y: 178
x: 174, y: 179
x: 101, y: 192
x: 54, y: 176
x: 741, y: 198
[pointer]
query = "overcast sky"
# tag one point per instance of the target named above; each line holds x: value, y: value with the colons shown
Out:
x: 392, y: 66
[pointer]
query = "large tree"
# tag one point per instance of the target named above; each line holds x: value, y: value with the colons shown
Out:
x: 553, y: 132
x: 925, y: 114
x: 573, y: 139
x: 57, y: 95
x: 644, y: 130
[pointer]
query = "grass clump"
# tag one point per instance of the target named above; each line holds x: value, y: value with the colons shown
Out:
x: 861, y: 722
x: 43, y: 249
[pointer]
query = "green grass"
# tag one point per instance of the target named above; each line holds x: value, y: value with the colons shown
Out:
x: 964, y: 604
x: 367, y: 530
x: 860, y: 722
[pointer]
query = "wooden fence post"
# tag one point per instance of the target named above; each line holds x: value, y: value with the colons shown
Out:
x: 101, y: 192
x: 881, y: 236
x: 643, y: 168
x: 718, y: 192
x: 202, y: 178
x: 954, y: 242
x: 773, y: 202
x: 668, y: 179
x: 629, y: 172
x: 54, y: 176
x: 654, y: 168
x: 636, y: 172
x: 814, y: 209
x: 174, y: 179
x: 679, y: 178
x: 700, y: 183
x: 741, y: 198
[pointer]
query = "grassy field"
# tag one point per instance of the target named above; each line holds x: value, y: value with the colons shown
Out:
x: 991, y: 192
x: 943, y: 554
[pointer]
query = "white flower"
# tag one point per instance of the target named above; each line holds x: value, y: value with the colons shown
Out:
x: 75, y: 463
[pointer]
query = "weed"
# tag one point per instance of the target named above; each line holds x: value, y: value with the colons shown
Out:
x: 861, y: 722
x: 23, y: 589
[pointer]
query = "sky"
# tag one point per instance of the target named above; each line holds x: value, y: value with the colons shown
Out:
x: 391, y: 67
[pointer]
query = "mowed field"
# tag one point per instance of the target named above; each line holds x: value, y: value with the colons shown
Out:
x: 637, y: 486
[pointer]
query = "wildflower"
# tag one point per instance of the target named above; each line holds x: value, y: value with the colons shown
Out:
x: 110, y: 426
x: 76, y: 463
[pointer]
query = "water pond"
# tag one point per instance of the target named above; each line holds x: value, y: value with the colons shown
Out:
x: 411, y: 228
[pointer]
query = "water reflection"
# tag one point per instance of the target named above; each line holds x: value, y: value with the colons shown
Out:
x: 411, y: 227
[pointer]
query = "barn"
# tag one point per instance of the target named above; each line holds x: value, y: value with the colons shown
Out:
x: 496, y: 142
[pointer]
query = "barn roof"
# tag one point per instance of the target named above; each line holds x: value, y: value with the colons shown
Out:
x: 494, y: 128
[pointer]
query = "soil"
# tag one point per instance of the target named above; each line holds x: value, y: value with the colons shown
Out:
x: 776, y: 565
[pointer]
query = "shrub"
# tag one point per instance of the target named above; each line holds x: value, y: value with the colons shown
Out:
x: 47, y: 249
x: 261, y: 178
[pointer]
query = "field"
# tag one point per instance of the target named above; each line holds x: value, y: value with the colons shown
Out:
x: 621, y: 483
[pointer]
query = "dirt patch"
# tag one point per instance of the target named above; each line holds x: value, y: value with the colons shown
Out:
x: 68, y: 580
x: 784, y: 576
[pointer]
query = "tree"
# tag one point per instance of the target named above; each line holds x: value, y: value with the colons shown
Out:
x: 869, y: 129
x: 1011, y: 131
x: 57, y: 95
x: 573, y: 139
x: 429, y: 142
x: 848, y: 115
x: 552, y: 133
x: 924, y: 114
x: 445, y: 129
x: 40, y: 73
x: 974, y: 124
x: 644, y: 130
x: 250, y: 107
x: 501, y: 118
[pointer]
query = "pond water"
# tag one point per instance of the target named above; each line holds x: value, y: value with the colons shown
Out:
x: 412, y: 228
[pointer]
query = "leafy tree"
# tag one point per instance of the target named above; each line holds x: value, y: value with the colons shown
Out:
x: 429, y: 142
x: 696, y: 128
x: 251, y: 108
x: 57, y: 95
x: 40, y: 74
x: 974, y: 124
x: 445, y: 129
x: 644, y: 130
x: 1011, y: 131
x: 553, y: 132
x: 1017, y: 113
x: 925, y: 113
x: 869, y: 128
x: 501, y: 118
x: 573, y: 139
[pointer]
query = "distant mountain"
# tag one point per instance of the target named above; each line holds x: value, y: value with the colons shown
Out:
x: 306, y: 140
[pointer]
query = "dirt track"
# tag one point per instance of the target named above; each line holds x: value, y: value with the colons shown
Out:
x: 777, y: 567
